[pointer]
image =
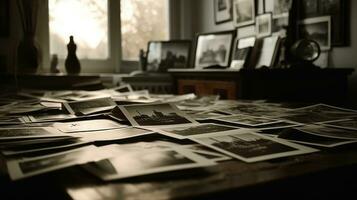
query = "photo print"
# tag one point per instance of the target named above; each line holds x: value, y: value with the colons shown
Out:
x: 89, y: 106
x: 222, y: 11
x: 155, y: 114
x: 263, y: 26
x: 243, y: 12
x: 23, y: 168
x: 213, y: 49
x: 251, y: 147
x: 242, y: 51
x: 164, y: 55
x: 189, y: 131
x: 317, y: 29
x: 279, y: 8
x: 146, y: 162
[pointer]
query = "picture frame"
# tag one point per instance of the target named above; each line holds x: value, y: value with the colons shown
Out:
x: 241, y: 52
x: 263, y: 25
x: 213, y: 49
x: 222, y: 11
x: 164, y: 55
x: 278, y: 8
x: 318, y: 29
x: 339, y: 10
x: 243, y: 12
x: 4, y: 19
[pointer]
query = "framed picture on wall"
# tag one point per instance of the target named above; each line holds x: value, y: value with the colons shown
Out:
x: 213, y: 49
x: 318, y: 29
x: 243, y: 12
x: 222, y: 11
x: 263, y: 25
x: 164, y: 55
x: 4, y: 18
x: 339, y: 10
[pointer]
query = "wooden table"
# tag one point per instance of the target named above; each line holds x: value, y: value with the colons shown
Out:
x: 322, y: 174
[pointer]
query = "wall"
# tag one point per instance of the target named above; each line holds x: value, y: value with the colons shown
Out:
x: 341, y: 57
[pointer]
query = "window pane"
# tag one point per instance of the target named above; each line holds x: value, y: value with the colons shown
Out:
x: 142, y: 21
x: 86, y: 20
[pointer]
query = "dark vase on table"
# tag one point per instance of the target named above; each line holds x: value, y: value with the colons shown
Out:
x: 72, y: 63
x: 28, y: 55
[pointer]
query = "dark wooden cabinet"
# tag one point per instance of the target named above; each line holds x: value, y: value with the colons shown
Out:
x: 314, y: 85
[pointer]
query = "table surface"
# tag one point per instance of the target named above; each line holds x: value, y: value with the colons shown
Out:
x: 312, y: 173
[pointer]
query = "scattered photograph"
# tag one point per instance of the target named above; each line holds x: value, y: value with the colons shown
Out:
x: 27, y: 167
x: 222, y: 11
x: 317, y: 29
x: 164, y: 55
x: 243, y: 12
x: 350, y: 124
x: 263, y: 25
x: 329, y: 131
x: 155, y: 114
x: 146, y: 162
x: 87, y: 125
x: 112, y: 134
x: 189, y: 131
x: 278, y: 125
x: 90, y: 106
x: 29, y: 132
x: 213, y: 49
x: 295, y: 135
x: 248, y: 120
x: 251, y: 147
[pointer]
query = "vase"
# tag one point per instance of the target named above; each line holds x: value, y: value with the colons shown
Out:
x: 28, y: 56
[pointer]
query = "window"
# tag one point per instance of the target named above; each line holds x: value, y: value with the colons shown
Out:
x: 142, y: 21
x: 103, y: 40
x: 86, y: 20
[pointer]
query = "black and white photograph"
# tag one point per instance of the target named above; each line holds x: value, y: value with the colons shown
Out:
x: 281, y: 8
x: 350, y: 124
x: 251, y: 147
x: 263, y: 25
x: 247, y: 120
x: 23, y: 168
x: 339, y: 10
x: 317, y: 29
x: 243, y: 12
x: 146, y: 162
x: 241, y: 52
x: 87, y: 125
x: 112, y: 134
x: 222, y: 11
x: 89, y: 106
x: 29, y: 132
x: 213, y: 49
x: 164, y: 55
x: 279, y: 26
x: 190, y: 131
x: 155, y: 115
x: 298, y: 136
x: 333, y: 132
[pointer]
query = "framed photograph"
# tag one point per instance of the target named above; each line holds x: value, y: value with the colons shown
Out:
x: 263, y: 25
x: 279, y: 8
x: 222, y: 11
x: 241, y: 53
x: 213, y: 49
x: 243, y: 12
x: 339, y: 10
x: 4, y: 19
x: 318, y: 29
x: 164, y: 55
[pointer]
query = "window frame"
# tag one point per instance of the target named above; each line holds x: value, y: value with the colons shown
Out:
x: 115, y: 63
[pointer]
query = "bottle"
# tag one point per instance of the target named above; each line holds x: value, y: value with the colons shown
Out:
x: 72, y: 64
